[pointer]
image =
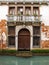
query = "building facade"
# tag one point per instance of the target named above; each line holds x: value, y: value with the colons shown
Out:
x: 24, y: 24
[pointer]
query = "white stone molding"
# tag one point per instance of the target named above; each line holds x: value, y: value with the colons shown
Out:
x: 18, y: 28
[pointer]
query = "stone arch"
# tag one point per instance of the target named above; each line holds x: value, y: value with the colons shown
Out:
x: 29, y: 28
x: 24, y: 29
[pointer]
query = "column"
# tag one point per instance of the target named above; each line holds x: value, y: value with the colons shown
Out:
x: 16, y: 42
x: 31, y: 39
x: 23, y: 9
x: 8, y: 10
x: 16, y: 9
x: 31, y: 9
x: 31, y: 42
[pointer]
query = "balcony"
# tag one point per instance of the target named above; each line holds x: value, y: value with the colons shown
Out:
x: 23, y: 18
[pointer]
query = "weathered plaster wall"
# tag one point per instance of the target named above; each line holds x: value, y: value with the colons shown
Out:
x: 44, y: 36
x: 3, y: 12
x: 3, y: 33
x: 44, y: 11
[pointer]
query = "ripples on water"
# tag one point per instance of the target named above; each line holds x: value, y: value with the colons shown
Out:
x: 35, y: 60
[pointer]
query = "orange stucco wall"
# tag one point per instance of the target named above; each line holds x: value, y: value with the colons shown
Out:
x: 45, y: 43
x: 3, y: 29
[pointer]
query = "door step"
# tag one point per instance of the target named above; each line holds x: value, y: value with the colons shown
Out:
x: 24, y: 54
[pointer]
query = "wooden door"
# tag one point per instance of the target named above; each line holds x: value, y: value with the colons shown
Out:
x: 24, y: 40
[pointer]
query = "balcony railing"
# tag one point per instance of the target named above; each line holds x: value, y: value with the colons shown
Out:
x: 23, y: 18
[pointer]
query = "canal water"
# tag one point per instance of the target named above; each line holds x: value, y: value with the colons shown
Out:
x: 35, y: 60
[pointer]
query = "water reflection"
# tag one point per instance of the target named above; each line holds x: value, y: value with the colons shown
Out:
x: 39, y: 63
x: 11, y: 60
x: 16, y: 63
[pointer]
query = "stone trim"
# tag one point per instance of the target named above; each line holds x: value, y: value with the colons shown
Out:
x: 18, y: 28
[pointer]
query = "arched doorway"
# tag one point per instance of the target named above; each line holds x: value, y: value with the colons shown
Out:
x: 24, y: 39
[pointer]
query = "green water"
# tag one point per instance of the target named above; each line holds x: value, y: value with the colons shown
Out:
x: 35, y: 60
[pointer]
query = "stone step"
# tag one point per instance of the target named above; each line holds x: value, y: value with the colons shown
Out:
x: 24, y: 54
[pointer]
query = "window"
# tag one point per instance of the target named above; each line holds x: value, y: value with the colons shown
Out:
x: 20, y: 10
x: 36, y: 41
x: 36, y: 36
x: 12, y: 10
x: 28, y: 10
x: 36, y: 30
x: 11, y: 41
x: 36, y: 10
x: 11, y: 30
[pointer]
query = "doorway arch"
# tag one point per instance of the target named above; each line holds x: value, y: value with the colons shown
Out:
x: 24, y: 39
